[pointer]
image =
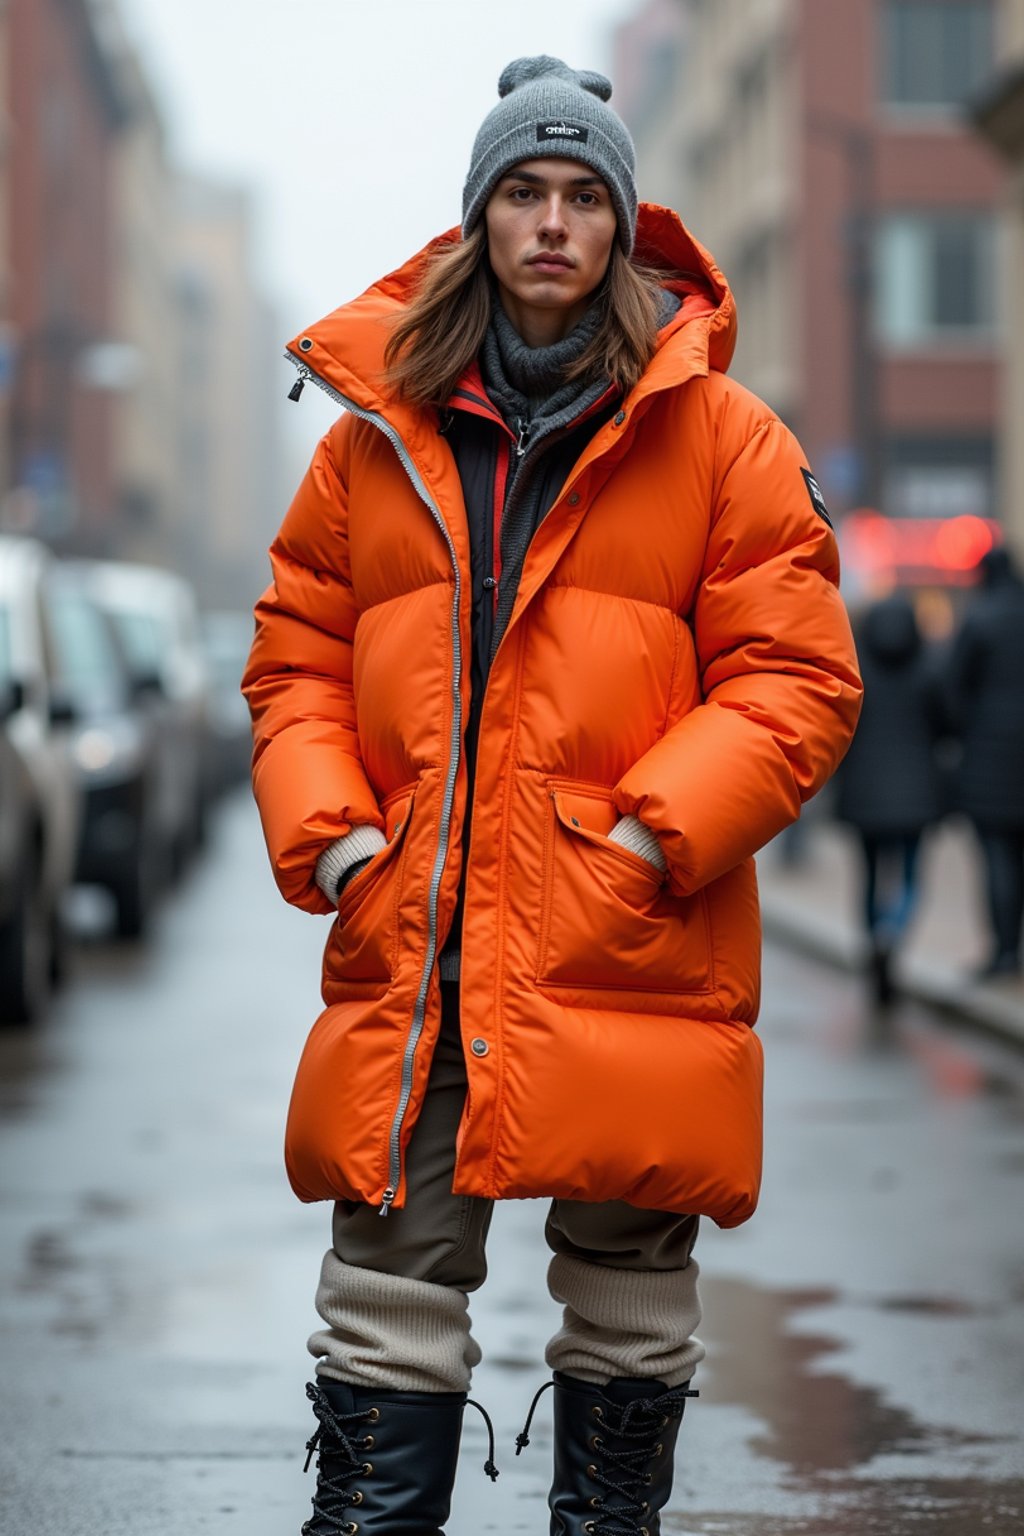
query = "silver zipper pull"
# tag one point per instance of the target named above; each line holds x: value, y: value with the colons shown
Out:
x: 386, y: 1199
x: 522, y: 428
x: 299, y: 385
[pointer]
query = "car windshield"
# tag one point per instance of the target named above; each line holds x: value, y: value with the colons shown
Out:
x: 227, y: 644
x: 140, y: 636
x: 87, y: 659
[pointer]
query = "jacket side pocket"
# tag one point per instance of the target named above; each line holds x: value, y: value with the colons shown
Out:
x: 363, y: 942
x: 609, y: 920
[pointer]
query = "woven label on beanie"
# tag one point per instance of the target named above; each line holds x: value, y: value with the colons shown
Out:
x: 562, y: 130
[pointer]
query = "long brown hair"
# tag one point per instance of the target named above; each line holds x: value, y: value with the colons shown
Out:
x: 442, y: 330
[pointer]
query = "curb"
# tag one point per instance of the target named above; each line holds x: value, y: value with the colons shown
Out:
x: 985, y: 1006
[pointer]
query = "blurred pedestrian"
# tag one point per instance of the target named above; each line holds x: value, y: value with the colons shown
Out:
x: 889, y: 786
x: 986, y: 677
x: 553, y: 645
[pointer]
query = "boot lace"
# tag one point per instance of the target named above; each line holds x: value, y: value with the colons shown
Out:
x: 489, y: 1466
x: 335, y: 1437
x: 621, y: 1470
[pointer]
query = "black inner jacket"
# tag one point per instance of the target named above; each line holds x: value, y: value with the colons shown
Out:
x: 485, y: 451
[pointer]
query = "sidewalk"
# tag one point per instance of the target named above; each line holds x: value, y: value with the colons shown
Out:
x: 813, y: 904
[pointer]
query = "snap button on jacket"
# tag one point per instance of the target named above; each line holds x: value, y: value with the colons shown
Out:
x: 678, y: 650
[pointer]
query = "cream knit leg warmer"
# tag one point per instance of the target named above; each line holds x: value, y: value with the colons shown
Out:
x: 389, y: 1332
x: 625, y: 1322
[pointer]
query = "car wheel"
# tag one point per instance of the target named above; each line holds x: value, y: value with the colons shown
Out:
x: 25, y: 959
x: 132, y: 905
x: 60, y: 950
x: 134, y: 895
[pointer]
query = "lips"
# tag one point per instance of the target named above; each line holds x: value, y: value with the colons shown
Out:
x: 550, y: 261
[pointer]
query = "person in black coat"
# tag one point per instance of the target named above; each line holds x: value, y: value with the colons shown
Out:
x: 889, y: 787
x: 986, y: 678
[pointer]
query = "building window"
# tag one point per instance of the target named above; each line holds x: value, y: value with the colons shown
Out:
x: 659, y: 73
x: 934, y: 277
x: 939, y: 477
x: 935, y: 53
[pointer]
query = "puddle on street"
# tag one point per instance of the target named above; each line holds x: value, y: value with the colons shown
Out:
x: 884, y: 1508
x: 929, y: 1306
x: 815, y: 1421
x: 825, y: 1430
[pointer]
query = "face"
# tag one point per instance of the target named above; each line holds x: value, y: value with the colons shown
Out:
x: 550, y: 229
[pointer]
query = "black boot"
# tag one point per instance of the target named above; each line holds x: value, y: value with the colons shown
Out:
x: 386, y: 1460
x: 614, y: 1447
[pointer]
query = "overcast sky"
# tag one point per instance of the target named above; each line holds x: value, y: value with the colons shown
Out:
x: 351, y: 119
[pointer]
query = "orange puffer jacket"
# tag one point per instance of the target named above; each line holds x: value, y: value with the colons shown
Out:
x: 678, y: 651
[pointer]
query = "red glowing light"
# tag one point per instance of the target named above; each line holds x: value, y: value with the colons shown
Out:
x: 916, y: 549
x: 960, y: 543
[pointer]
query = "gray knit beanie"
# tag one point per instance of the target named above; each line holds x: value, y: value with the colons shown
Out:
x: 546, y: 108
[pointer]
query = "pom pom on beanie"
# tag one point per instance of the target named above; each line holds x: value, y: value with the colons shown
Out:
x: 522, y: 71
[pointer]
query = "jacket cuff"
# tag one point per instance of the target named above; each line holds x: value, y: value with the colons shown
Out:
x: 638, y: 838
x: 356, y: 847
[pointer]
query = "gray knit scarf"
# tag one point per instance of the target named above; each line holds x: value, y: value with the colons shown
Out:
x: 528, y: 384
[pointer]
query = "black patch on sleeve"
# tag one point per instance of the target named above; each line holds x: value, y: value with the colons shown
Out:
x: 817, y: 499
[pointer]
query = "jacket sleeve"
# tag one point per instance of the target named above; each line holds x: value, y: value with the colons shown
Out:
x: 308, y: 776
x: 780, y: 687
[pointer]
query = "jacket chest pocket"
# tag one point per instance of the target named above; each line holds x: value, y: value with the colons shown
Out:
x: 364, y: 941
x: 609, y: 922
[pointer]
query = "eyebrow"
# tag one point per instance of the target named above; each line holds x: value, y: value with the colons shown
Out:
x: 542, y: 181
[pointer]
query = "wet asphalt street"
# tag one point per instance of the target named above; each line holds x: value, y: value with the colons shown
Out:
x: 865, y: 1332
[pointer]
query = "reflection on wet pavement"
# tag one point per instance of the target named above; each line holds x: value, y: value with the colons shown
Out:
x: 902, y: 1508
x: 816, y: 1420
x: 836, y: 1441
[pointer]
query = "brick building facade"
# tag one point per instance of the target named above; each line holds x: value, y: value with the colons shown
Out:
x: 827, y: 161
x: 64, y: 114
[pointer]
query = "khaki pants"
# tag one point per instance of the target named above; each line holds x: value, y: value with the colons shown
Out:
x: 393, y: 1291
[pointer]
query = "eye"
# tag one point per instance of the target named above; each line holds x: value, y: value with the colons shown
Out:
x: 521, y: 194
x: 588, y: 199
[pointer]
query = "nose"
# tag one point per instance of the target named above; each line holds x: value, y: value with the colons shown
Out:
x: 552, y: 220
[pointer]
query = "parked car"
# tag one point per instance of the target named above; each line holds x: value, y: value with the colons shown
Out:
x: 157, y: 620
x: 227, y: 637
x: 40, y: 812
x: 123, y: 844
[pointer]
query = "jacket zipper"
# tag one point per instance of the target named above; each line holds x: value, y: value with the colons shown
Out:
x: 420, y: 1007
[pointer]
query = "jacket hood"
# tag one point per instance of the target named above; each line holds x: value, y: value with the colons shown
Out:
x: 346, y: 347
x: 889, y: 632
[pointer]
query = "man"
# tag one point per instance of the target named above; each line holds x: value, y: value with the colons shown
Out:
x: 986, y: 685
x: 553, y: 646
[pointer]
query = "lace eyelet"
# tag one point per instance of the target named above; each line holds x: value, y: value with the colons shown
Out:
x: 350, y: 1528
x: 598, y: 1413
x: 596, y: 1442
x: 357, y: 1498
x: 367, y: 1468
x: 595, y: 1502
x: 664, y: 1423
x: 373, y: 1414
x: 588, y: 1526
x: 648, y: 1479
x: 591, y: 1470
x: 659, y: 1449
x: 367, y: 1443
